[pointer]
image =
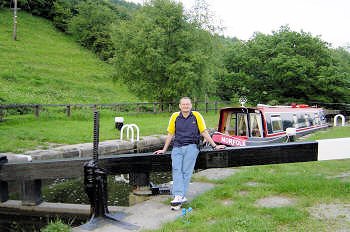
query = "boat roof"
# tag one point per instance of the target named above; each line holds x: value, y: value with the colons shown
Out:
x: 275, y: 109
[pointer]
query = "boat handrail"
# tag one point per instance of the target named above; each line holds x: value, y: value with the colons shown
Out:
x: 278, y: 106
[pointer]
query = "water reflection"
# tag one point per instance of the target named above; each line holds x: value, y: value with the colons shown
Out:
x: 72, y: 190
x: 26, y: 223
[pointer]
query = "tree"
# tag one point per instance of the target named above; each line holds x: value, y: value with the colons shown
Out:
x: 92, y: 27
x: 204, y: 18
x: 4, y: 4
x: 286, y: 66
x: 161, y: 55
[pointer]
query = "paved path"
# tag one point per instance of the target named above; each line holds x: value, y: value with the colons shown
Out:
x: 151, y: 214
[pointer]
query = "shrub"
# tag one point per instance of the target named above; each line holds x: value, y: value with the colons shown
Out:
x: 57, y: 226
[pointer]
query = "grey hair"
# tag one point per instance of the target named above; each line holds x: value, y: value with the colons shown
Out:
x: 185, y: 98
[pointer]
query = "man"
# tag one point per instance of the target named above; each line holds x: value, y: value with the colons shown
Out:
x: 186, y: 126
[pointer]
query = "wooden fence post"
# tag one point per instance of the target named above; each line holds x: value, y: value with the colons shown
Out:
x: 15, y: 20
x: 36, y: 111
x: 206, y: 103
x: 169, y: 109
x: 216, y: 106
x: 154, y: 107
x: 68, y: 110
x: 2, y: 115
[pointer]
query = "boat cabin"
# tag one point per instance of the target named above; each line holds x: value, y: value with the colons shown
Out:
x: 241, y: 126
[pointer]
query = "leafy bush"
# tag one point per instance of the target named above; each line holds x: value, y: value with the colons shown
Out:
x: 64, y: 10
x: 43, y: 8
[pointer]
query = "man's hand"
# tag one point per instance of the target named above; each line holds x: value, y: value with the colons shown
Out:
x: 159, y: 152
x: 219, y: 147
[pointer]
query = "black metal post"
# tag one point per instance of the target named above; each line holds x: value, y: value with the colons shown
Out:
x: 95, y: 180
x: 4, y: 189
x: 96, y: 136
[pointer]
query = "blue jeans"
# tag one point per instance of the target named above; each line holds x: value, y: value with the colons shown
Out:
x: 183, y: 161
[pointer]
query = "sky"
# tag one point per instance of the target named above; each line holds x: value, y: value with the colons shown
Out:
x: 328, y: 19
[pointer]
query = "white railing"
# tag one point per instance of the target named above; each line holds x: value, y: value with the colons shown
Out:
x: 130, y: 127
x: 342, y: 119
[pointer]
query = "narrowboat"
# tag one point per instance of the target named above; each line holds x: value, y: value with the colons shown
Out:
x: 252, y: 126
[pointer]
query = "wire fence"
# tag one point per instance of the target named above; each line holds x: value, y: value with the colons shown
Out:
x: 138, y: 107
x: 134, y: 107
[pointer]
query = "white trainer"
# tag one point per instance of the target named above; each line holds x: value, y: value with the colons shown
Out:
x: 177, y: 200
x: 176, y: 207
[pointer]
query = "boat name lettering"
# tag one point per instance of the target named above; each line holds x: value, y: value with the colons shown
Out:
x: 232, y: 142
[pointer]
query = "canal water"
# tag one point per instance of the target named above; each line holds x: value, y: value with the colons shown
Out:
x: 72, y: 191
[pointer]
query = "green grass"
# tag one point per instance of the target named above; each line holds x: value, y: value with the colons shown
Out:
x: 26, y: 132
x: 331, y: 133
x: 308, y: 183
x: 47, y: 66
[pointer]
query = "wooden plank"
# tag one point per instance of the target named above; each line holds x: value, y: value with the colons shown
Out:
x: 49, y: 169
x: 74, y: 167
x: 259, y: 155
x: 148, y: 162
x: 31, y: 192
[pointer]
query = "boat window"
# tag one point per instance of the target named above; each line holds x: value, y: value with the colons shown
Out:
x: 276, y: 122
x: 316, y: 119
x: 231, y: 124
x: 322, y: 117
x: 301, y: 121
x: 311, y: 119
x: 255, y: 125
x: 242, y: 124
x: 295, y: 121
x: 308, y: 120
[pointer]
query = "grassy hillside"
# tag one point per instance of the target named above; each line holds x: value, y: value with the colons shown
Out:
x: 46, y: 66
